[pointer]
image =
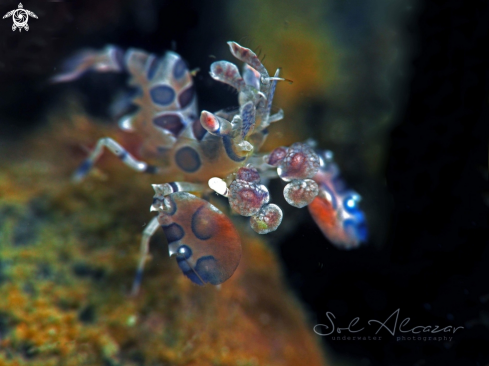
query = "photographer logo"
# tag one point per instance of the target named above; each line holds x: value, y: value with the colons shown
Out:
x: 20, y: 17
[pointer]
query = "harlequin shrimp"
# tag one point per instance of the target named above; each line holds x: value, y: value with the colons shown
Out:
x: 215, y: 152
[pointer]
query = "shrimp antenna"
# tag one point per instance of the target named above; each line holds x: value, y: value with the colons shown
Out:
x: 280, y: 79
x: 258, y: 51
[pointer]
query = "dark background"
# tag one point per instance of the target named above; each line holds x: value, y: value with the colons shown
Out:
x: 434, y: 265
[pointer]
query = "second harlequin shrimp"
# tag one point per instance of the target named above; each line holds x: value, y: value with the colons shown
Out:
x: 215, y: 152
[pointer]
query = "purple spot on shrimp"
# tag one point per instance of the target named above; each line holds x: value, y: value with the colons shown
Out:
x: 199, y: 131
x: 188, y: 159
x: 162, y: 95
x: 186, y: 97
x: 179, y: 69
x: 186, y: 266
x: 173, y: 232
x: 208, y: 269
x: 153, y: 66
x: 170, y: 122
x: 202, y: 228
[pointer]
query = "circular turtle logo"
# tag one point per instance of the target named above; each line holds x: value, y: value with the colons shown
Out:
x: 20, y: 17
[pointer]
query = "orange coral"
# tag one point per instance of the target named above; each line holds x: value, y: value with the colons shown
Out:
x: 65, y: 293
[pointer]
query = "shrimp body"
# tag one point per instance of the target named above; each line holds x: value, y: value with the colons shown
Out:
x: 335, y: 209
x: 219, y: 151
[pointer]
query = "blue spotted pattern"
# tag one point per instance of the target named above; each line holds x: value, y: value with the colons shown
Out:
x: 208, y: 269
x: 170, y: 122
x: 187, y: 270
x: 162, y: 95
x: 173, y: 232
x: 198, y: 130
x: 188, y: 159
x: 186, y: 97
x: 179, y: 69
x: 153, y: 66
x: 201, y: 227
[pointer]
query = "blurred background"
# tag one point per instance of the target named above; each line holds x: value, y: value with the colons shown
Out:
x: 398, y: 90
